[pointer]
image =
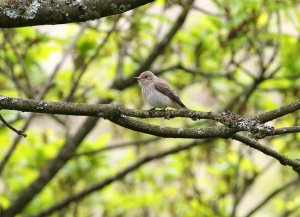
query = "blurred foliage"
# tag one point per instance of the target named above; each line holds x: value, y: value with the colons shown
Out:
x: 243, y: 55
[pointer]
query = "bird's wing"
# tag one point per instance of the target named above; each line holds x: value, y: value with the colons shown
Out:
x: 165, y: 89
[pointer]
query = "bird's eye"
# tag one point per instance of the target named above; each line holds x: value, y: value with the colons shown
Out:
x: 146, y: 76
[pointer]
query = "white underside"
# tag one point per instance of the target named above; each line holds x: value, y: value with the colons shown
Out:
x: 156, y: 99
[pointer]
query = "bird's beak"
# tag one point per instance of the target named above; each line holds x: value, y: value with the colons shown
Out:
x: 137, y: 78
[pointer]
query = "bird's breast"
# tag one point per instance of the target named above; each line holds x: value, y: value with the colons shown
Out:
x: 155, y: 98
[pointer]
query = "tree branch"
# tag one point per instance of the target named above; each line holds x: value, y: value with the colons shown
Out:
x: 117, y: 114
x: 109, y: 147
x: 40, y: 95
x: 277, y: 113
x: 11, y: 127
x: 19, y: 13
x: 157, y: 50
x: 119, y: 175
x: 272, y: 195
x: 295, y: 164
x: 120, y: 115
x: 287, y: 130
x: 48, y: 173
x: 65, y: 153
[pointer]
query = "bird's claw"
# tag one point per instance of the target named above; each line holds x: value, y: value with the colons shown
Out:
x: 166, y: 113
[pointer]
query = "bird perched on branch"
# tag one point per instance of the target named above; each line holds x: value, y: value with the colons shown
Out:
x: 157, y: 92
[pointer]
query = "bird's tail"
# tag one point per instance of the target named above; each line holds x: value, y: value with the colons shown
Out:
x: 178, y: 104
x: 181, y: 104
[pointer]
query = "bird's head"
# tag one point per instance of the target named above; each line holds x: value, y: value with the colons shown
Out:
x: 145, y: 77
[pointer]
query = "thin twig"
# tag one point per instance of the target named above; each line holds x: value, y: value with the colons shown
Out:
x: 41, y: 95
x: 295, y: 164
x: 272, y: 195
x: 117, y: 146
x: 21, y: 62
x: 85, y: 66
x: 11, y: 127
x: 119, y: 175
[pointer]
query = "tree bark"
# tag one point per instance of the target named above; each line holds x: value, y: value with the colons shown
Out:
x: 20, y: 13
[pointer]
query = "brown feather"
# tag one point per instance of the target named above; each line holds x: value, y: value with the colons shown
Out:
x: 165, y: 89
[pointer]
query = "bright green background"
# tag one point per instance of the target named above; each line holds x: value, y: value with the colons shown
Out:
x: 206, y: 180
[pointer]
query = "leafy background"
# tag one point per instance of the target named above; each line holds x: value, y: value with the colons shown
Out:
x: 229, y: 54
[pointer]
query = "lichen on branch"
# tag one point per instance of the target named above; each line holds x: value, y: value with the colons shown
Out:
x: 20, y: 13
x: 122, y: 116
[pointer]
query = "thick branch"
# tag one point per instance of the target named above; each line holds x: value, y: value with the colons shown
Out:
x: 19, y: 13
x: 111, y: 110
x: 116, y: 113
x: 119, y: 115
x: 171, y: 132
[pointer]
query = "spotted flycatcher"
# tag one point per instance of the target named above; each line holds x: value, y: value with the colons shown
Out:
x: 157, y: 92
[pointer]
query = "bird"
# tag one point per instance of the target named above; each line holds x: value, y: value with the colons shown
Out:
x: 158, y: 93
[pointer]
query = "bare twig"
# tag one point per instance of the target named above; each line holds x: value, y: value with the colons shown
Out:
x: 64, y: 154
x: 15, y: 143
x: 14, y: 120
x: 85, y: 66
x: 287, y: 130
x: 21, y: 62
x: 157, y: 50
x: 117, y: 146
x: 204, y: 11
x: 121, y: 174
x: 295, y: 164
x: 41, y: 95
x: 11, y: 127
x: 247, y: 186
x: 272, y: 195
